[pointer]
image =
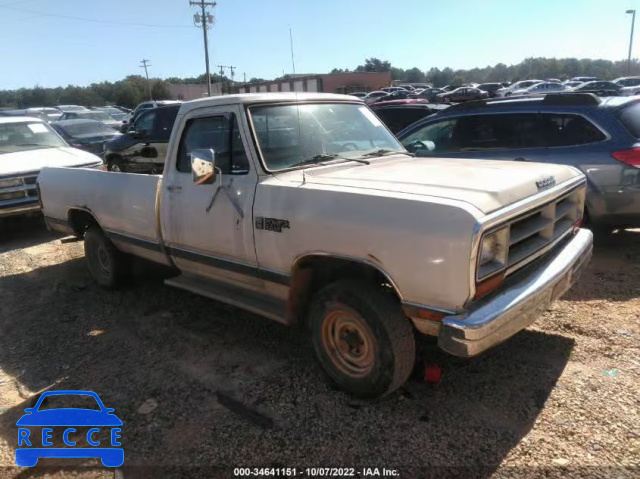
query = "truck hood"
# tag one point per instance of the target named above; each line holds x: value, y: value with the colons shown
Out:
x: 486, y: 184
x: 34, y: 160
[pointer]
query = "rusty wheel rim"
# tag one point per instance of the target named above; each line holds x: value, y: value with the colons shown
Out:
x: 348, y: 341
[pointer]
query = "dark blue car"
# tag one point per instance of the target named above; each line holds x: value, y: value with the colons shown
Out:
x: 599, y: 136
x: 68, y: 417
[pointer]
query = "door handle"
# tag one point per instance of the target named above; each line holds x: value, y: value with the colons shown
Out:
x: 174, y: 188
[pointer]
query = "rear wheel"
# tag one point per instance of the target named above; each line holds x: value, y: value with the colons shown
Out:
x: 361, y: 338
x: 106, y: 264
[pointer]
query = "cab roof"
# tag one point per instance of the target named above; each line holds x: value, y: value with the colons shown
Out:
x: 253, y: 98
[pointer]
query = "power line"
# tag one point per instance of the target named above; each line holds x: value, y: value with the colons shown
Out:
x: 91, y: 20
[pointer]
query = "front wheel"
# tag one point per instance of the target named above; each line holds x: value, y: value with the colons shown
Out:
x: 106, y: 264
x: 116, y: 165
x: 361, y: 338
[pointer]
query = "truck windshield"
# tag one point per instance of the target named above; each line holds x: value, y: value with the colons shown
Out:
x: 291, y: 135
x: 28, y: 135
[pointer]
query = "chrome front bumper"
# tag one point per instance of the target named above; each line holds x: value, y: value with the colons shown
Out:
x: 500, y: 316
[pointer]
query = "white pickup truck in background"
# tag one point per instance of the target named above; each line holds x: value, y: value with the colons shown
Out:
x: 26, y: 146
x: 305, y: 209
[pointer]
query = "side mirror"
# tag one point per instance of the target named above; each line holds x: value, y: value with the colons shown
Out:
x: 203, y: 166
x: 421, y: 145
x: 139, y: 133
x: 28, y: 410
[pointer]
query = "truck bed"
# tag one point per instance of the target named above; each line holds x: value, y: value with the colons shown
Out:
x: 123, y: 203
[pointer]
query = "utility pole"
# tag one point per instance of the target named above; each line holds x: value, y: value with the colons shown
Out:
x: 144, y: 64
x: 205, y: 19
x: 633, y: 22
x: 231, y: 88
x: 222, y: 67
x: 245, y: 77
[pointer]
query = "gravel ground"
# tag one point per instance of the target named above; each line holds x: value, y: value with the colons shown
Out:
x: 222, y: 388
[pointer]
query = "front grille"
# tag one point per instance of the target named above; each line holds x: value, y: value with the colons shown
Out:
x: 542, y: 226
x: 11, y: 195
x: 19, y: 193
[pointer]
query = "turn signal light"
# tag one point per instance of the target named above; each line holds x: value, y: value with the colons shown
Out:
x: 629, y: 157
x: 430, y: 315
x: 489, y: 285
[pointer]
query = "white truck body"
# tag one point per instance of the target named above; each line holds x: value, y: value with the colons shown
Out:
x: 418, y: 225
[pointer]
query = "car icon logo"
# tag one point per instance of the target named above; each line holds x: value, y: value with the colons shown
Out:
x: 33, y: 446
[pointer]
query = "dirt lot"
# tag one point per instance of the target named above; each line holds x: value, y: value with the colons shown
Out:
x: 230, y: 389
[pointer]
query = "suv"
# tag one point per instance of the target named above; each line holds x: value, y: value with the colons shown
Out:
x: 599, y: 136
x: 399, y: 114
x: 143, y: 147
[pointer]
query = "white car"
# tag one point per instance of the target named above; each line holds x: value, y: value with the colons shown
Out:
x: 374, y: 95
x: 519, y: 85
x: 305, y: 209
x: 539, y: 88
x: 26, y: 146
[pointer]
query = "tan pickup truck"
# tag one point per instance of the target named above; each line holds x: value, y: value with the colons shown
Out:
x: 304, y: 208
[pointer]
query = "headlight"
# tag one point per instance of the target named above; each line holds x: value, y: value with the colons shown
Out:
x: 493, y: 252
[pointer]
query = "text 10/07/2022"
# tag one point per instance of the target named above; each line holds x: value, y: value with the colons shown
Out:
x: 316, y: 472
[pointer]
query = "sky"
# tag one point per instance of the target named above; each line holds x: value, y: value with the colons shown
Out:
x: 60, y: 42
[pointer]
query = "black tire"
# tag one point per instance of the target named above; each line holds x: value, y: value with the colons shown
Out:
x: 383, y: 340
x: 116, y: 165
x: 107, y: 265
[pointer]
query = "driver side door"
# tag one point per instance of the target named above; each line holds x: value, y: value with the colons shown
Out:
x: 207, y: 233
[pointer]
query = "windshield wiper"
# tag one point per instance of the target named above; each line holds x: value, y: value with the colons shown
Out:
x: 384, y: 152
x: 327, y: 156
x: 35, y: 144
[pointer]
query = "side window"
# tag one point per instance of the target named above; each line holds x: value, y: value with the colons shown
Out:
x: 439, y: 133
x: 164, y: 125
x: 145, y: 122
x: 569, y: 130
x: 481, y: 132
x: 220, y: 135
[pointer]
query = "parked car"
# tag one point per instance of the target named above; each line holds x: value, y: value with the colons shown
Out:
x: 92, y: 115
x: 430, y: 93
x: 145, y: 105
x: 450, y: 87
x: 396, y: 95
x: 600, y: 88
x: 374, y: 95
x: 390, y: 89
x: 45, y: 113
x: 519, y: 85
x: 572, y: 84
x: 66, y: 108
x: 266, y: 200
x: 584, y: 79
x: 462, y: 94
x: 143, y: 147
x: 540, y: 88
x: 398, y: 114
x: 87, y: 135
x: 26, y: 145
x: 598, y: 136
x: 553, y: 80
x: 627, y: 81
x: 490, y: 88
